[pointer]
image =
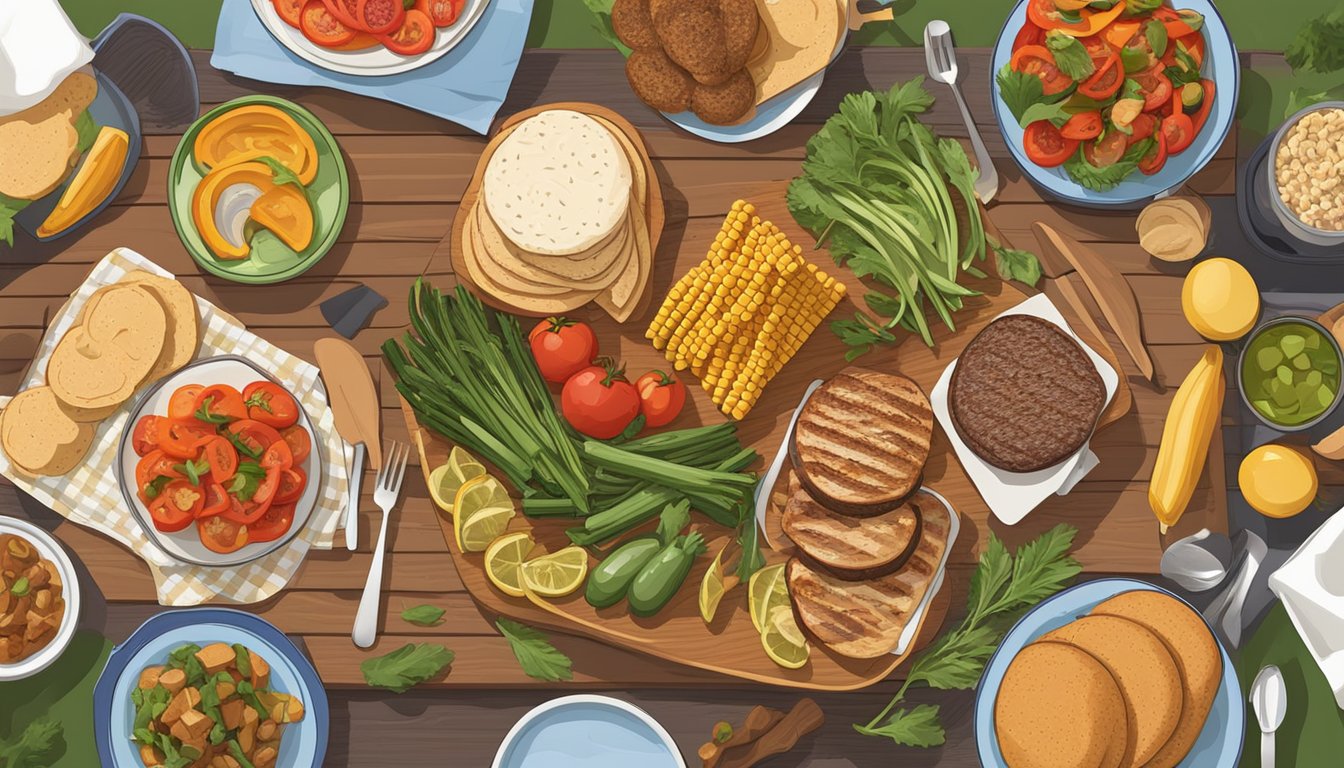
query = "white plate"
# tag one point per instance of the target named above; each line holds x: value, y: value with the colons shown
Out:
x: 589, y: 731
x: 185, y: 545
x: 1011, y: 495
x: 47, y: 549
x: 953, y: 528
x: 377, y: 60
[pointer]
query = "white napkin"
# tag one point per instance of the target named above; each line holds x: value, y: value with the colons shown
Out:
x: 1311, y: 586
x: 38, y: 48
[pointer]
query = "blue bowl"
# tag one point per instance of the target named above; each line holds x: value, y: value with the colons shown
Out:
x: 1219, y: 744
x: 1220, y: 65
x: 304, y: 744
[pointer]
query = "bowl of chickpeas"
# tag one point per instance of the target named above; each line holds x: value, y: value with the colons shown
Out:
x: 1306, y: 177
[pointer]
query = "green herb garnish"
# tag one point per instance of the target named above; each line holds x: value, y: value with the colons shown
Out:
x: 409, y: 665
x: 538, y: 658
x: 1319, y: 44
x: 193, y: 470
x: 20, y: 587
x: 1070, y: 56
x: 423, y: 615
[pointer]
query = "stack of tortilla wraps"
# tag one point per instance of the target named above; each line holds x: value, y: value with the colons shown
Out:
x: 561, y: 217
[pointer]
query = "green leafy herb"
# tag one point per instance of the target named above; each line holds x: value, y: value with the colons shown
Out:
x: 1192, y: 19
x: 280, y: 174
x: 1156, y: 32
x: 246, y: 479
x: 1055, y: 113
x: 20, y: 587
x: 539, y: 659
x: 1016, y: 264
x: 236, y: 750
x: 1135, y: 59
x: 1102, y: 179
x: 1070, y: 56
x: 204, y: 413
x: 87, y: 130
x: 408, y: 666
x: 36, y: 745
x: 423, y: 615
x: 601, y: 9
x: 193, y: 469
x: 1130, y: 89
x: 242, y: 445
x: 154, y: 487
x: 1319, y: 44
x: 1185, y: 70
x: 1300, y: 99
x: 673, y: 520
x: 1140, y: 7
x: 1002, y: 586
x: 259, y: 399
x: 1019, y: 90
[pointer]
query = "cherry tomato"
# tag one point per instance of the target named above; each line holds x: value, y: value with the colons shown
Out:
x: 1045, y: 14
x: 257, y: 436
x: 380, y: 17
x: 562, y: 348
x: 319, y: 25
x: 216, y: 500
x: 1156, y: 157
x: 344, y: 11
x: 270, y: 404
x: 1084, y: 125
x: 220, y: 403
x: 1201, y: 115
x: 414, y: 36
x: 441, y: 13
x: 1045, y: 145
x: 598, y: 400
x: 1178, y: 132
x: 1105, y: 81
x: 182, y: 405
x: 145, y: 436
x: 1142, y: 127
x: 1106, y: 151
x: 220, y: 534
x: 292, y: 483
x: 1029, y: 34
x: 1037, y: 60
x: 661, y: 397
x: 300, y: 442
x: 154, y: 465
x: 1155, y: 86
x: 222, y: 457
x: 289, y: 11
x: 176, y: 506
x: 183, y: 438
x: 273, y: 524
x: 277, y: 456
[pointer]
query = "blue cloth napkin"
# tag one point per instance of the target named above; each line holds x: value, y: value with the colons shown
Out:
x: 467, y: 85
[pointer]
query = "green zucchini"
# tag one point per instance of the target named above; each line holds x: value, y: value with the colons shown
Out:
x: 663, y: 575
x: 1192, y: 95
x: 610, y: 580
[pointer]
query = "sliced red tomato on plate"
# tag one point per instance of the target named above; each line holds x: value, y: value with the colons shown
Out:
x: 182, y: 405
x: 155, y: 464
x: 1142, y: 127
x: 255, y: 435
x: 300, y: 443
x: 289, y: 11
x: 1037, y: 60
x: 344, y: 11
x: 322, y: 27
x: 219, y: 404
x: 1082, y: 126
x: 443, y: 13
x: 277, y: 456
x: 1106, y: 151
x: 275, y: 523
x: 1155, y: 87
x: 1045, y: 14
x: 222, y: 457
x: 220, y: 534
x: 1156, y: 157
x: 414, y: 36
x: 1105, y: 81
x: 270, y: 404
x: 380, y: 17
x: 183, y: 438
x: 176, y: 506
x: 216, y: 500
x: 1097, y: 47
x: 246, y: 512
x: 1178, y: 132
x: 145, y: 436
x: 1201, y: 115
x: 1045, y: 145
x: 292, y: 483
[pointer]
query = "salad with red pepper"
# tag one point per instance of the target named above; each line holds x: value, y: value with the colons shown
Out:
x: 1107, y: 87
x: 228, y: 461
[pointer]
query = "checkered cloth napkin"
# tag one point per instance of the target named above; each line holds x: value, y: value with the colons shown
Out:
x: 91, y: 495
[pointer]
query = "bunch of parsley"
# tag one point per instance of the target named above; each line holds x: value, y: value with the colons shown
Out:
x: 1319, y: 45
x: 1002, y: 587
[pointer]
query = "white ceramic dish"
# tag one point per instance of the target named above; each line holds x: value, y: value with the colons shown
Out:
x: 185, y: 546
x: 588, y: 731
x: 48, y: 549
x: 374, y: 61
x: 953, y: 528
x: 1012, y: 495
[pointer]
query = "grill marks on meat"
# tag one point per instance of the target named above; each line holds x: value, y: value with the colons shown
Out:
x: 853, y: 547
x: 1024, y: 395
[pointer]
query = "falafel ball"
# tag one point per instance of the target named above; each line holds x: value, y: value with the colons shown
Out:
x: 658, y: 81
x: 727, y: 103
x: 632, y: 23
x: 740, y: 25
x: 692, y: 34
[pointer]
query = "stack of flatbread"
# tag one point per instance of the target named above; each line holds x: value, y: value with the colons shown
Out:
x: 135, y: 331
x: 561, y: 218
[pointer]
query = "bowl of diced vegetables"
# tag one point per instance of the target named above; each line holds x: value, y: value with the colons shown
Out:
x: 1113, y: 102
x: 1289, y: 372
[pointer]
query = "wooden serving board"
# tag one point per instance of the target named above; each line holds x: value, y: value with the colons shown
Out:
x: 654, y: 214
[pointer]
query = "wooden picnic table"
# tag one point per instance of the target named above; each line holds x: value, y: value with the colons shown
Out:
x: 408, y: 171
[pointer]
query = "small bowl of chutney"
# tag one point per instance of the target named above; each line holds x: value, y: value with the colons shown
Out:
x: 1289, y: 371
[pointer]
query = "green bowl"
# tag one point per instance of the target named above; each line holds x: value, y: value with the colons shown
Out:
x: 270, y: 261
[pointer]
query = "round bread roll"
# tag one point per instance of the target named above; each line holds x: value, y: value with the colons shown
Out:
x: 100, y: 363
x: 39, y: 437
x: 1058, y: 707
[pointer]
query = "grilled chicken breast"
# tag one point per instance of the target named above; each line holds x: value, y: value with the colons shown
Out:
x: 861, y: 441
x: 853, y: 548
x: 865, y: 619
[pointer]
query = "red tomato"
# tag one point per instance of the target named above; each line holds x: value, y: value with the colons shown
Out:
x: 183, y: 438
x: 270, y: 404
x: 1156, y: 157
x: 344, y: 11
x: 292, y: 483
x: 562, y: 348
x: 1036, y: 60
x: 247, y: 511
x: 441, y: 13
x: 1155, y: 86
x: 277, y: 456
x: 1029, y: 34
x: 271, y: 525
x: 1097, y: 48
x: 300, y: 442
x: 216, y: 500
x: 145, y: 436
x: 220, y: 534
x: 1201, y: 115
x: 1105, y: 81
x: 1107, y: 151
x: 1178, y: 132
x: 380, y: 17
x: 222, y: 457
x: 155, y: 464
x: 176, y: 506
x: 1084, y: 125
x: 1045, y: 145
x: 1142, y: 127
x: 320, y: 26
x: 661, y: 397
x: 289, y: 11
x: 598, y: 400
x: 182, y: 405
x: 257, y: 436
x: 414, y: 36
x: 220, y: 403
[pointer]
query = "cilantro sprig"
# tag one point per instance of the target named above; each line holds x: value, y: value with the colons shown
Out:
x: 538, y: 658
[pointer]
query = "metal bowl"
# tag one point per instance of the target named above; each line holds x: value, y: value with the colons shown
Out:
x: 1241, y: 360
x: 1286, y: 216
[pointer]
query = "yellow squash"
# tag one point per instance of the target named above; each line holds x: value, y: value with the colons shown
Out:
x: 92, y: 183
x: 1194, y: 412
x: 257, y: 130
x: 281, y: 208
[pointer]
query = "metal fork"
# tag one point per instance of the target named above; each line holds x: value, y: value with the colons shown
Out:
x: 941, y: 57
x: 386, y: 490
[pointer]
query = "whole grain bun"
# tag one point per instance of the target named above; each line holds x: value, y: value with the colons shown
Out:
x: 183, y: 334
x: 39, y: 437
x: 99, y: 363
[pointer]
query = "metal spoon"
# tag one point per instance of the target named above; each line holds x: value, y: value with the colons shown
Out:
x: 1199, y: 561
x: 1224, y: 613
x: 941, y: 57
x: 1269, y: 698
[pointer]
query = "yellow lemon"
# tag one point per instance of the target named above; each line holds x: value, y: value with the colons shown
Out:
x: 482, y: 510
x: 447, y: 478
x: 1220, y: 299
x: 1277, y: 481
x: 504, y: 560
x: 765, y: 591
x: 712, y: 589
x: 783, y: 641
x: 557, y: 574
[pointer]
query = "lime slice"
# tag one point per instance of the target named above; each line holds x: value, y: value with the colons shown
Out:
x: 557, y: 574
x: 783, y: 641
x: 448, y: 477
x: 504, y: 559
x: 483, y: 510
x: 766, y: 590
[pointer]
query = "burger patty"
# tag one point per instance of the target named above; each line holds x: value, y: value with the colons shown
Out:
x: 1024, y: 394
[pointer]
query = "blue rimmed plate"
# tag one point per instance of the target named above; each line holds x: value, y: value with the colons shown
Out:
x: 304, y: 743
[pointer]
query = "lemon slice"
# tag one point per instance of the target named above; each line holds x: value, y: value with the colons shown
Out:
x: 766, y: 590
x: 483, y: 510
x: 447, y: 478
x: 783, y: 641
x: 712, y: 589
x: 504, y: 559
x: 557, y: 574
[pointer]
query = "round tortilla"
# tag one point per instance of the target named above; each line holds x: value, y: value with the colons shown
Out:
x: 496, y: 251
x: 564, y: 301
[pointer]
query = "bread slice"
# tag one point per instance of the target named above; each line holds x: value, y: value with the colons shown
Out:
x: 853, y: 548
x: 183, y: 334
x: 865, y: 619
x: 41, y: 142
x: 862, y: 440
x: 100, y: 363
x: 39, y: 437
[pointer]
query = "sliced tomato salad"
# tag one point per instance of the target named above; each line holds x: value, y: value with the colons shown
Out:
x: 223, y: 459
x: 1121, y: 86
x: 406, y: 29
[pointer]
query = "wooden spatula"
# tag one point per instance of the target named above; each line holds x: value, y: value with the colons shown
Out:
x: 354, y: 404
